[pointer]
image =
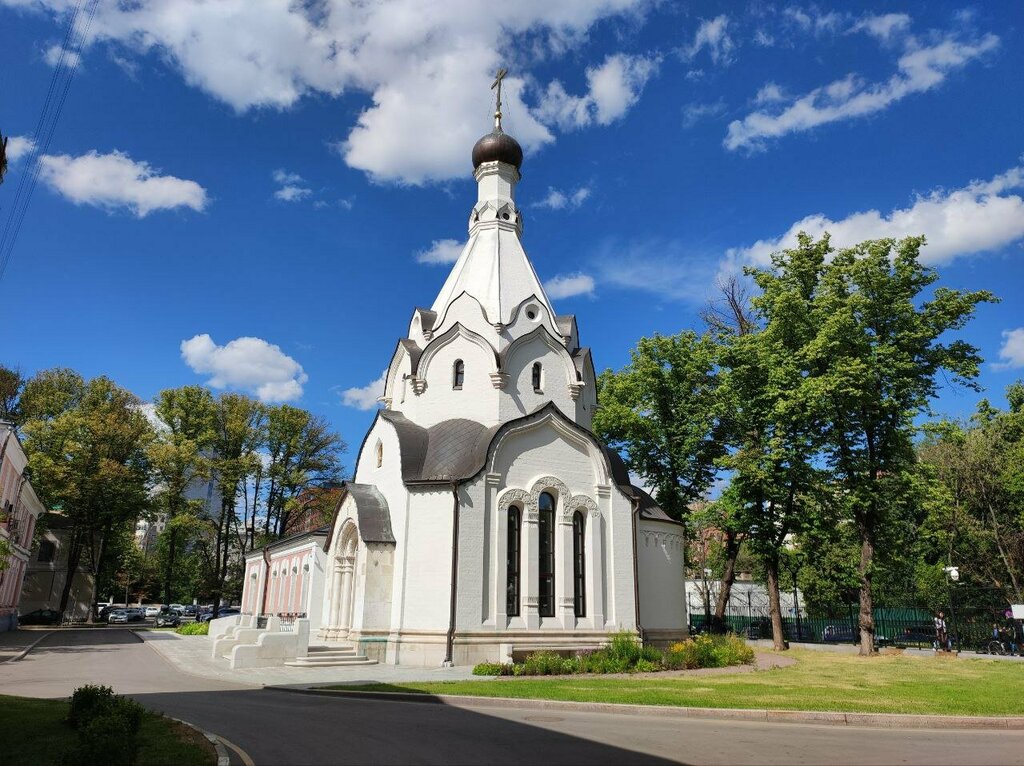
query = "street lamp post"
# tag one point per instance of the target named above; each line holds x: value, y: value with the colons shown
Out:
x: 953, y: 576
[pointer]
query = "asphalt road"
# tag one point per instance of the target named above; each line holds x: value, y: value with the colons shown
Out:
x: 276, y: 727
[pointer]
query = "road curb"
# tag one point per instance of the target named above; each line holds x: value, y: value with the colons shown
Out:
x: 29, y: 648
x: 223, y: 757
x: 820, y: 718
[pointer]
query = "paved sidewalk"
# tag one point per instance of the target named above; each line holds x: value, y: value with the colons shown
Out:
x: 13, y: 643
x: 191, y: 654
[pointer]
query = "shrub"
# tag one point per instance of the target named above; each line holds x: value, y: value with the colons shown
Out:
x: 107, y: 727
x: 709, y: 651
x: 548, y: 664
x: 193, y: 629
x: 489, y: 669
x: 87, y: 702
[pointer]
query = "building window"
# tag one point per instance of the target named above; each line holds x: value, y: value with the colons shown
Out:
x: 546, y: 555
x: 458, y: 374
x: 46, y: 551
x: 380, y: 454
x: 537, y: 372
x: 512, y: 563
x: 579, y: 566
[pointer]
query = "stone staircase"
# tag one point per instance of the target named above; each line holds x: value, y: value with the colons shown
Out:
x: 331, y: 656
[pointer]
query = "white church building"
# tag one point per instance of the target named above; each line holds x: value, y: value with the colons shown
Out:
x: 485, y: 517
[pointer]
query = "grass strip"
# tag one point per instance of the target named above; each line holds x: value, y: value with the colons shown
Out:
x: 819, y: 681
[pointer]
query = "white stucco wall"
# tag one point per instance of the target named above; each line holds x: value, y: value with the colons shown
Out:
x: 660, y: 550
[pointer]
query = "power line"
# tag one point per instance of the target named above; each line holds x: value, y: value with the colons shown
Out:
x: 53, y: 105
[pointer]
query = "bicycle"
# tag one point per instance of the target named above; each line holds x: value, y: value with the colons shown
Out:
x: 997, y: 647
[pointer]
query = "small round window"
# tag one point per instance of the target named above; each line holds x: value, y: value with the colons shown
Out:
x: 531, y: 312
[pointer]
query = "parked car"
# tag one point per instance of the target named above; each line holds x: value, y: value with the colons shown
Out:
x: 118, y: 616
x: 152, y: 611
x: 136, y: 614
x: 40, y: 617
x: 167, y: 620
x: 226, y: 611
x: 190, y: 610
x: 177, y: 608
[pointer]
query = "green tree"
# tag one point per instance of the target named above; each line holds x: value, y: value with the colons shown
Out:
x: 303, y: 452
x: 11, y: 384
x: 773, y: 421
x: 873, y: 365
x: 661, y: 411
x: 86, y: 443
x: 180, y: 456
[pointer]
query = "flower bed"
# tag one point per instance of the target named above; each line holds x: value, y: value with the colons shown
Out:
x: 624, y: 654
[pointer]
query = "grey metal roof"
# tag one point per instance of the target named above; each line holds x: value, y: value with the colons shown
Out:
x: 413, y: 350
x: 449, y: 450
x: 580, y: 357
x: 372, y: 512
x: 564, y: 323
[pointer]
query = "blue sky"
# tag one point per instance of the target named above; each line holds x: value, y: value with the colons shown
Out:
x: 273, y: 177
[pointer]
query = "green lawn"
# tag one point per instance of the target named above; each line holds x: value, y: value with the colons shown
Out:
x: 819, y: 681
x: 39, y: 735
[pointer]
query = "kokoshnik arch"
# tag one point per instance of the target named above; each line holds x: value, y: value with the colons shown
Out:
x: 484, y: 517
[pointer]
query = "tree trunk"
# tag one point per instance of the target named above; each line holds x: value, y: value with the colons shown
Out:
x: 732, y: 550
x: 172, y: 543
x: 74, y: 557
x: 866, y: 618
x: 774, y: 606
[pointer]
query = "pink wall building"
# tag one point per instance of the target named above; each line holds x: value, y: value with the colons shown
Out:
x: 19, y: 511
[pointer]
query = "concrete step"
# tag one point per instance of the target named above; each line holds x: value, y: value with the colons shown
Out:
x: 320, y: 661
x: 332, y: 650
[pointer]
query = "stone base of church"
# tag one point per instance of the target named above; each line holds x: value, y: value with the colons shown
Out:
x: 662, y: 638
x: 427, y: 648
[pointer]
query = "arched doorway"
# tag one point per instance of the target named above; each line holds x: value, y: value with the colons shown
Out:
x: 343, y: 583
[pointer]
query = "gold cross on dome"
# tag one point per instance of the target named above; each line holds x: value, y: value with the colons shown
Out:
x: 497, y: 85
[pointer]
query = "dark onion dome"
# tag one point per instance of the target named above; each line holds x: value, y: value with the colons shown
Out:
x: 497, y: 146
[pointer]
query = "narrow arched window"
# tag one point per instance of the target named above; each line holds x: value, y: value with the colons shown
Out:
x: 579, y: 577
x: 546, y: 555
x: 512, y: 563
x: 380, y: 454
x: 458, y: 374
x: 537, y: 380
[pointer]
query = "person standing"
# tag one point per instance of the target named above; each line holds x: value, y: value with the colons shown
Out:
x: 941, y: 636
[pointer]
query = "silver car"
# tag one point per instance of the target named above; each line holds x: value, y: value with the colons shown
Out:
x: 118, y: 616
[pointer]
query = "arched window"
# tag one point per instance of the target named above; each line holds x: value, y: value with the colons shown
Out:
x: 546, y: 555
x: 380, y: 453
x: 458, y: 374
x: 537, y: 372
x: 579, y: 577
x: 512, y: 563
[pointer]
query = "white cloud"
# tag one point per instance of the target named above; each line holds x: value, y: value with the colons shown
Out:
x: 884, y: 27
x: 613, y: 88
x: 114, y: 180
x: 813, y: 20
x: 919, y: 70
x: 982, y: 216
x: 18, y: 147
x: 251, y: 364
x: 694, y: 113
x: 1012, y: 350
x: 569, y: 285
x: 559, y: 200
x: 293, y: 186
x: 441, y: 251
x: 665, y: 268
x: 52, y: 57
x: 365, y: 397
x: 424, y: 65
x: 712, y: 34
x: 770, y: 93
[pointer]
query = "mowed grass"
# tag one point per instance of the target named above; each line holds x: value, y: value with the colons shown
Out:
x: 819, y: 681
x: 38, y: 736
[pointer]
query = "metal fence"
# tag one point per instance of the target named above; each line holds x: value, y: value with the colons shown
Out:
x: 983, y: 625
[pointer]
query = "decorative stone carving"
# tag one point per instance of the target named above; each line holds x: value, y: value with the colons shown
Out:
x: 419, y: 385
x: 574, y: 390
x: 499, y: 379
